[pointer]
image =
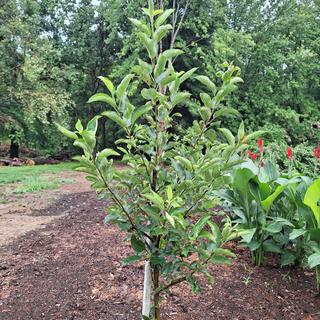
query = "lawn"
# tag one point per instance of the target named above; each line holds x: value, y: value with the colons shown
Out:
x: 25, y: 179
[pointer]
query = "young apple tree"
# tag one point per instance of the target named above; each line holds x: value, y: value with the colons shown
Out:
x: 165, y: 196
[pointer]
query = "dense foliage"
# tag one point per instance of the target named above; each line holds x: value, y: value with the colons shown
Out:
x: 53, y: 52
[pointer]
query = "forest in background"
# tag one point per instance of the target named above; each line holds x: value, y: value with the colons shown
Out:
x: 52, y: 52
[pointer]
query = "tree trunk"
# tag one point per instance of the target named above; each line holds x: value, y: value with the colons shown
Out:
x: 156, y: 299
x: 14, y: 150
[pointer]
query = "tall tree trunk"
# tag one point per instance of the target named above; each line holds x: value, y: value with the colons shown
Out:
x: 14, y: 145
x: 14, y: 149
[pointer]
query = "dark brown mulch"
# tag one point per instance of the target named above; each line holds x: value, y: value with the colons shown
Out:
x: 72, y: 270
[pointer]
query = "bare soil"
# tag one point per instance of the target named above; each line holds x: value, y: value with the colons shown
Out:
x: 70, y: 268
x: 18, y: 215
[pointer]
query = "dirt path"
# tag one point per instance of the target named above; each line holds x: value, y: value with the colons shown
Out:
x: 17, y: 217
x: 71, y: 269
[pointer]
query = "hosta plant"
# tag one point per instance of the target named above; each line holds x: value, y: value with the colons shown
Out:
x: 163, y: 199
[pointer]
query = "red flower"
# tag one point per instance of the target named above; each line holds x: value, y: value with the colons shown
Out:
x: 290, y: 153
x: 260, y: 145
x: 252, y: 155
x: 316, y: 152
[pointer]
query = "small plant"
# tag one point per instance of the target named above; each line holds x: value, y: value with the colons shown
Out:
x: 164, y: 199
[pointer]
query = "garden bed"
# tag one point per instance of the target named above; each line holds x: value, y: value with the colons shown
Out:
x: 71, y: 269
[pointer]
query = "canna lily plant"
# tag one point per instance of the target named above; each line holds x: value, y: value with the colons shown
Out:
x: 163, y: 199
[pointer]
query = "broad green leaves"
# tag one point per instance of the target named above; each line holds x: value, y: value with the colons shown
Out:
x: 312, y: 198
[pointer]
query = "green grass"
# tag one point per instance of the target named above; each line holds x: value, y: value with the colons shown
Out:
x: 35, y: 184
x: 25, y: 174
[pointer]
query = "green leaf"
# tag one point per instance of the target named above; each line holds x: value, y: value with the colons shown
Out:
x: 114, y: 117
x: 187, y: 74
x: 161, y: 32
x: 296, y: 233
x: 169, y: 193
x: 241, y: 131
x: 172, y: 53
x: 228, y: 135
x: 170, y: 219
x: 205, y: 113
x: 167, y: 79
x: 205, y: 98
x: 140, y: 112
x: 185, y: 162
x: 180, y: 97
x: 224, y: 252
x: 247, y: 234
x: 267, y: 203
x: 270, y: 246
x: 137, y: 244
x: 92, y: 125
x: 149, y: 94
x: 163, y: 17
x: 197, y: 228
x: 221, y: 260
x: 149, y: 44
x: 122, y: 87
x: 193, y: 283
x: 141, y: 25
x: 287, y: 258
x: 160, y: 65
x: 252, y: 136
x: 131, y: 259
x: 208, y: 83
x: 235, y: 80
x: 107, y: 83
x: 67, y: 132
x: 314, y: 260
x: 312, y: 198
x: 155, y: 199
x: 79, y: 126
x: 156, y: 260
x: 226, y: 112
x: 107, y: 153
x: 103, y: 97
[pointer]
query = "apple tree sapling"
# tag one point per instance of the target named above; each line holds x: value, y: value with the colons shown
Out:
x: 163, y: 199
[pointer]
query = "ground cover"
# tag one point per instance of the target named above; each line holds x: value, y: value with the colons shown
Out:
x: 70, y: 268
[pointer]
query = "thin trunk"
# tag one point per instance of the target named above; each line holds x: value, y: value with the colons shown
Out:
x: 156, y: 299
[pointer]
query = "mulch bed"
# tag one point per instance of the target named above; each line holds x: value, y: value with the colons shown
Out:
x: 72, y: 270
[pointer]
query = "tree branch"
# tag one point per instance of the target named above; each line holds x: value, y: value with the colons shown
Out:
x: 175, y: 30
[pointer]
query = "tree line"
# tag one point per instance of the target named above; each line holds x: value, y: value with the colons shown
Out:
x: 52, y: 52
